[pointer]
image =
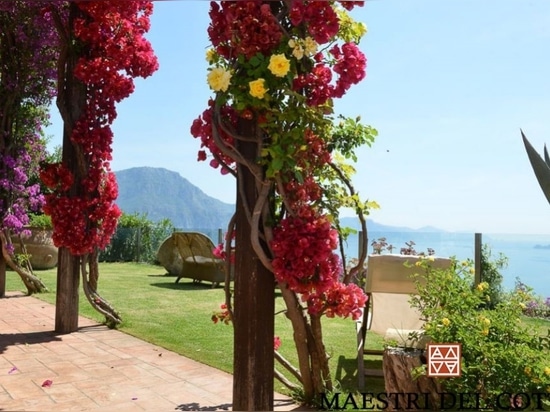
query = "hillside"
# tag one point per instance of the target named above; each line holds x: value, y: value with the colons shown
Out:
x: 161, y: 193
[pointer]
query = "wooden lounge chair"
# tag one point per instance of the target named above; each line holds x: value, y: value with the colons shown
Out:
x: 389, y: 286
x: 198, y: 260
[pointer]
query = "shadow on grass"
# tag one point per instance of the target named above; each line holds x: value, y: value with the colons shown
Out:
x: 171, y: 284
x: 346, y: 375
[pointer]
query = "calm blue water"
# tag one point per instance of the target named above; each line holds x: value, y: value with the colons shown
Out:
x: 530, y: 264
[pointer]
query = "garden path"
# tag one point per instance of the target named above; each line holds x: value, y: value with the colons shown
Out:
x: 97, y: 368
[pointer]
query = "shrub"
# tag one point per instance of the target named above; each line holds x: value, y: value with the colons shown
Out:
x: 533, y: 305
x: 40, y: 220
x: 499, y: 353
x: 490, y: 273
x: 136, y: 239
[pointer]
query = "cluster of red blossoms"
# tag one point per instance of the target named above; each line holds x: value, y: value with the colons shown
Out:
x: 316, y: 155
x: 251, y: 22
x: 116, y: 52
x: 303, y: 246
x: 222, y: 315
x: 317, y: 85
x: 202, y: 129
x: 339, y: 300
x: 304, y: 241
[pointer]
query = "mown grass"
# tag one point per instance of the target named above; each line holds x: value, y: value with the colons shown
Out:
x: 178, y: 317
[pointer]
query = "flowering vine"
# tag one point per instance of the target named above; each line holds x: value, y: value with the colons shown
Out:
x: 28, y: 54
x: 116, y: 51
x: 280, y: 64
x: 102, y: 49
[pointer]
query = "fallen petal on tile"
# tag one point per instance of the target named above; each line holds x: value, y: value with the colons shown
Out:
x: 12, y: 370
x: 47, y: 383
x: 134, y: 399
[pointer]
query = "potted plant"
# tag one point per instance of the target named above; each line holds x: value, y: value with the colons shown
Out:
x: 38, y: 244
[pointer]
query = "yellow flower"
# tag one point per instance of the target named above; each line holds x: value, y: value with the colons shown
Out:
x: 485, y: 332
x: 482, y: 286
x: 547, y: 371
x: 279, y: 65
x: 219, y: 79
x: 418, y: 263
x: 484, y: 320
x: 210, y: 55
x: 297, y: 48
x: 445, y: 321
x: 527, y: 370
x: 472, y: 271
x: 257, y: 88
x: 431, y: 258
x: 310, y: 46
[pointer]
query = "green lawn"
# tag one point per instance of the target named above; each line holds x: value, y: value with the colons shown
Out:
x: 178, y: 317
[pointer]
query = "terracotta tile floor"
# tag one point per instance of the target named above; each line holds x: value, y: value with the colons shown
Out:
x: 97, y: 368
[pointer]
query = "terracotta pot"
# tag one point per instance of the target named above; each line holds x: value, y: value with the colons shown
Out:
x: 41, y: 248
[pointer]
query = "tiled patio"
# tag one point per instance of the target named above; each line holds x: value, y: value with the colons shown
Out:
x: 98, y: 369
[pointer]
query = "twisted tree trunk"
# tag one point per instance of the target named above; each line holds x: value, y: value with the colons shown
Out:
x: 89, y: 284
x: 32, y: 283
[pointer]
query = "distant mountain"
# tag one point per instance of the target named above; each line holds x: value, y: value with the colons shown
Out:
x: 161, y: 193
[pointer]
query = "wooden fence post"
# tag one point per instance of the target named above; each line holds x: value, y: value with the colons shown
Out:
x: 477, y: 251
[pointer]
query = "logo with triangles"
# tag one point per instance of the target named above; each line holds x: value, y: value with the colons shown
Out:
x: 444, y: 360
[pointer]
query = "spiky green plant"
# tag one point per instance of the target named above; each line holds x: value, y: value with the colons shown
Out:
x: 541, y: 166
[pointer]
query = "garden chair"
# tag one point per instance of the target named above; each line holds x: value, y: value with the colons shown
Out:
x: 198, y: 260
x: 389, y: 286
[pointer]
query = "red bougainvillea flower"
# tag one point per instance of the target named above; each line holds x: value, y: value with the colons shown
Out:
x: 338, y: 300
x: 243, y: 28
x: 276, y: 342
x: 202, y: 129
x: 303, y: 252
x: 116, y: 53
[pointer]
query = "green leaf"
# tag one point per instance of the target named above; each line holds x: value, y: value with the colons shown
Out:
x: 540, y: 167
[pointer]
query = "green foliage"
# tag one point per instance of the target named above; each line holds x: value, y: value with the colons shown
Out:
x: 490, y: 273
x: 540, y: 166
x: 499, y: 353
x: 349, y: 134
x: 40, y: 220
x: 136, y: 239
x: 21, y: 259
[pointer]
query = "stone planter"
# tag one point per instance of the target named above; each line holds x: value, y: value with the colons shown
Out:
x: 41, y: 248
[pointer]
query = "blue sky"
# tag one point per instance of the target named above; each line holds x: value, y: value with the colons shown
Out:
x: 449, y: 84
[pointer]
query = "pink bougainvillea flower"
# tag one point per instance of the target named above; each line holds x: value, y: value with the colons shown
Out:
x: 276, y: 342
x: 12, y: 370
x: 47, y: 383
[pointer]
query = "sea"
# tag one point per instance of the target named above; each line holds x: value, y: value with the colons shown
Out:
x: 528, y: 255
